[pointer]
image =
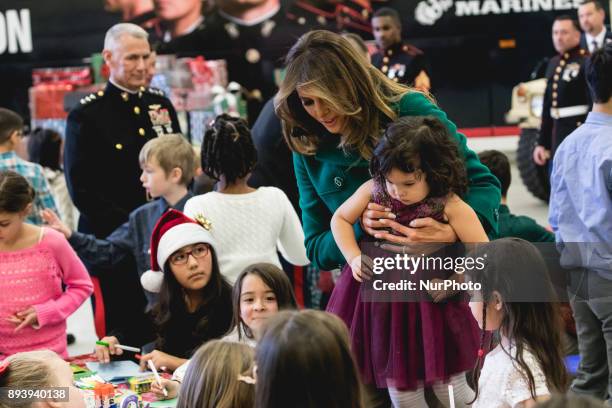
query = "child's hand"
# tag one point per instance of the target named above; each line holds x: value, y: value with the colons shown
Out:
x: 54, y: 222
x: 361, y: 266
x: 172, y: 388
x: 26, y: 317
x: 161, y: 360
x: 103, y: 353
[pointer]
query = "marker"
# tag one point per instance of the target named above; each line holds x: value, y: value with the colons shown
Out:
x: 121, y: 346
x: 451, y: 396
x: 156, y: 374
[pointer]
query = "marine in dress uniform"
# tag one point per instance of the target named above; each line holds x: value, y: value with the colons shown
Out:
x: 104, y: 135
x: 402, y: 62
x: 566, y: 99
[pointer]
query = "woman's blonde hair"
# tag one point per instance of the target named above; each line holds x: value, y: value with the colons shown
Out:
x: 27, y: 370
x: 220, y: 375
x: 333, y: 70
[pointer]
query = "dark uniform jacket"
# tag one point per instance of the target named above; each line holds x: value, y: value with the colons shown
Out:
x: 566, y: 99
x: 104, y: 135
x: 401, y: 62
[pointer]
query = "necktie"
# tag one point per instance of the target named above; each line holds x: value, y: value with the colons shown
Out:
x: 595, y: 45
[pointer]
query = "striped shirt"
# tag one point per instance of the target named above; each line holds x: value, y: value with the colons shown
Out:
x: 34, y: 174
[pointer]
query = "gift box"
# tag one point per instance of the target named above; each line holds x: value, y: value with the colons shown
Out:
x: 47, y: 101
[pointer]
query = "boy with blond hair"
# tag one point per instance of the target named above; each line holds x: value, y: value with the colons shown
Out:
x: 168, y: 164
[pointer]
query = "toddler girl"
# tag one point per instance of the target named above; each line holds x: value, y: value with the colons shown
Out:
x: 403, y: 346
x: 42, y: 280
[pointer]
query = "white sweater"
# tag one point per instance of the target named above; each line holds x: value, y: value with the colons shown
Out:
x: 250, y: 227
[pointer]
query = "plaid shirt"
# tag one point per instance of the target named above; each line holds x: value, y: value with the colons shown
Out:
x: 34, y: 174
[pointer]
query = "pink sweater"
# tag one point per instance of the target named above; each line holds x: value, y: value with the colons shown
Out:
x: 34, y: 277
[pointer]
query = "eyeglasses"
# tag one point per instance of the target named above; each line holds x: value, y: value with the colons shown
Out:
x: 198, y: 251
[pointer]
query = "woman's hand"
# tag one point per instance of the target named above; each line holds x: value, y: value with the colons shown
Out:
x: 172, y: 388
x: 26, y: 317
x: 103, y: 353
x: 420, y: 230
x: 54, y: 222
x: 361, y: 267
x: 161, y: 360
x: 371, y: 218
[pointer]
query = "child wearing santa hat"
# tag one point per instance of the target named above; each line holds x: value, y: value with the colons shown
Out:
x: 195, y: 300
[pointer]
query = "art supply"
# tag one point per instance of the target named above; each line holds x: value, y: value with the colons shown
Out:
x: 105, y: 395
x: 451, y: 395
x: 121, y: 346
x: 156, y: 374
x: 115, y: 370
x: 141, y: 384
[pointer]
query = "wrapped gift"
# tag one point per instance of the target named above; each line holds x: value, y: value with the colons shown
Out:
x: 47, y: 101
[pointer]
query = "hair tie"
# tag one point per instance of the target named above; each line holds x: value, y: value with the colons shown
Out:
x: 247, y: 379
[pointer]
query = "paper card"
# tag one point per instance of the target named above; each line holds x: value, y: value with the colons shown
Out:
x: 116, y: 370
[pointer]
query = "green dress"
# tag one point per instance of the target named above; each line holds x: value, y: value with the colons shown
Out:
x: 328, y: 178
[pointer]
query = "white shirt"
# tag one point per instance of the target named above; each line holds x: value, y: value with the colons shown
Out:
x: 600, y: 38
x: 249, y: 228
x: 502, y: 384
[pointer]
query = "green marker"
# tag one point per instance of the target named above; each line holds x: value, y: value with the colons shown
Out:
x: 121, y: 346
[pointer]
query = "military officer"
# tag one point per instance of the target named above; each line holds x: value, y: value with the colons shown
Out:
x: 106, y: 131
x: 104, y: 135
x: 566, y: 99
x: 399, y: 60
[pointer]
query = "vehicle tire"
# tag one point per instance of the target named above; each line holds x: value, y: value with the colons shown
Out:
x: 534, y: 177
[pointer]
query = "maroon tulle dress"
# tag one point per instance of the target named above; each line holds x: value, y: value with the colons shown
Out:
x: 406, y: 344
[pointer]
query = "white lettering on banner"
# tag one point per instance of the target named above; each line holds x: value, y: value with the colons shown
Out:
x: 428, y: 12
x: 15, y: 31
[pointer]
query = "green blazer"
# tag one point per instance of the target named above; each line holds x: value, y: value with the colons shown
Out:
x: 330, y: 177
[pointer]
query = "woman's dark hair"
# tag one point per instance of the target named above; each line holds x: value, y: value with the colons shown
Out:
x: 171, y: 299
x: 15, y: 192
x: 228, y: 149
x: 421, y: 143
x: 44, y: 148
x: 274, y: 278
x: 516, y: 271
x: 308, y: 344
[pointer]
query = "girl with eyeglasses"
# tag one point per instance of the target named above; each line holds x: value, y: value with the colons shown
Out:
x: 195, y: 299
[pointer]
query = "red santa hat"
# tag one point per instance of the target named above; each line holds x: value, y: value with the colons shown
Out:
x: 173, y: 231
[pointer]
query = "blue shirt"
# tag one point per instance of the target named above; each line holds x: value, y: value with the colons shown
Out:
x: 36, y: 177
x: 581, y: 196
x: 133, y: 237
